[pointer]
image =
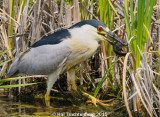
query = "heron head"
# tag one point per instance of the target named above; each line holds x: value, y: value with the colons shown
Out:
x: 106, y: 34
x: 96, y: 30
x: 118, y: 45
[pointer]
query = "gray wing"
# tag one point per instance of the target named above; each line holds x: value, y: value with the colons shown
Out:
x: 41, y: 60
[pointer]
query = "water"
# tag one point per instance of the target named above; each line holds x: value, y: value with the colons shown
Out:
x: 62, y: 106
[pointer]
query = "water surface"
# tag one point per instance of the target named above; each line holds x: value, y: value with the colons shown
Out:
x: 36, y: 107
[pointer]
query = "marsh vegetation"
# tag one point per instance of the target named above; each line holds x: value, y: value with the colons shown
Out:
x: 132, y: 80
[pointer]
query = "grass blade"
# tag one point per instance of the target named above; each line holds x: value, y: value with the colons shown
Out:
x: 103, y: 79
x: 127, y: 18
x: 4, y: 62
x: 17, y: 85
x: 10, y: 79
x: 4, y: 52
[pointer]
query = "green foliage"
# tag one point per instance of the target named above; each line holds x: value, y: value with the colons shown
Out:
x: 3, y: 52
x: 69, y: 1
x: 17, y: 85
x: 11, y: 79
x: 144, y: 15
x: 5, y: 61
x: 104, y: 78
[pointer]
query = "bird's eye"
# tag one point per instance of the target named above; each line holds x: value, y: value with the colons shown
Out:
x: 99, y: 28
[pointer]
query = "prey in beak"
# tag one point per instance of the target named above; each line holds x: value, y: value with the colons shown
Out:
x: 118, y: 45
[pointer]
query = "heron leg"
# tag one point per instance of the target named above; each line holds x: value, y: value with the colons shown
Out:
x: 72, y: 76
x: 51, y: 80
x: 47, y: 98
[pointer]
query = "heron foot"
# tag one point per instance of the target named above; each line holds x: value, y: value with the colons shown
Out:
x: 96, y: 101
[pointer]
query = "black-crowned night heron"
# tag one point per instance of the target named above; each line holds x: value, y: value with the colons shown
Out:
x: 62, y: 51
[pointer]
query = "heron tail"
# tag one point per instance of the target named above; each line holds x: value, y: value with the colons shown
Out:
x: 13, y: 70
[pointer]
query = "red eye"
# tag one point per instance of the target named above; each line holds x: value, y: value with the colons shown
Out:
x: 99, y: 28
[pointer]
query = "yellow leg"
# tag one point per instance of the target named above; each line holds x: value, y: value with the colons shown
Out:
x: 51, y: 80
x: 47, y: 98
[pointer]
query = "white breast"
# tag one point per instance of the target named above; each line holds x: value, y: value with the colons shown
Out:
x: 81, y: 49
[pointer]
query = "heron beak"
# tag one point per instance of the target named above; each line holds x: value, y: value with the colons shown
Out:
x: 114, y: 40
x: 110, y: 37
